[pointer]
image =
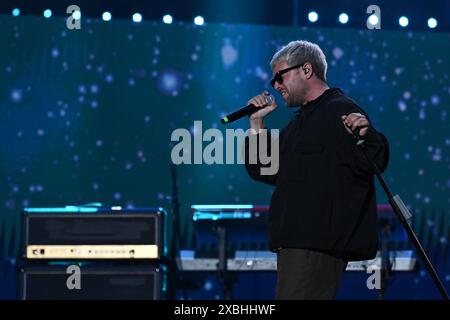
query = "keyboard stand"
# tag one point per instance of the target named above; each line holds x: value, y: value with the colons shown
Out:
x: 225, y: 276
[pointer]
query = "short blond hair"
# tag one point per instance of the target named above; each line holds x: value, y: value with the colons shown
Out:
x: 300, y: 51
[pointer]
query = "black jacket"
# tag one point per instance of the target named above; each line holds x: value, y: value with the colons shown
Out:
x: 324, y: 197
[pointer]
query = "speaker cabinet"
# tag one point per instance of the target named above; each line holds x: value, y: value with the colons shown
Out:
x: 95, y: 282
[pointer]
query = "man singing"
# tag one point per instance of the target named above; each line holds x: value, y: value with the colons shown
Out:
x: 323, y: 209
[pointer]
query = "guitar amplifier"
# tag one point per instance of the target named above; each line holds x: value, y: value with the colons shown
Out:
x: 95, y: 282
x: 93, y: 233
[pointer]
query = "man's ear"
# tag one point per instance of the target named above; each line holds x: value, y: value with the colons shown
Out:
x: 307, y: 70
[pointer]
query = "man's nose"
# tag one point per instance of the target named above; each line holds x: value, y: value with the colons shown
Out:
x: 278, y: 86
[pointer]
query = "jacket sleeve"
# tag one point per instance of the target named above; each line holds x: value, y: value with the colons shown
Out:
x: 377, y: 149
x: 254, y: 162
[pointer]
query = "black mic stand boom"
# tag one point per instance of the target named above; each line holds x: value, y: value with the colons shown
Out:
x: 403, y: 215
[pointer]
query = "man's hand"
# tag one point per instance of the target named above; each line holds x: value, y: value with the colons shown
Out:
x: 257, y: 118
x: 354, y: 120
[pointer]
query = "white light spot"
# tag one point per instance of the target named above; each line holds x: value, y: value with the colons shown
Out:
x: 106, y: 16
x: 55, y: 52
x: 109, y: 78
x: 167, y: 19
x: 47, y: 13
x: 229, y: 55
x: 313, y: 16
x: 432, y: 23
x: 94, y: 88
x: 207, y: 286
x: 373, y: 19
x: 403, y: 21
x: 435, y: 100
x: 407, y: 95
x: 261, y: 74
x: 422, y: 114
x: 343, y: 18
x: 398, y: 71
x: 16, y: 95
x: 76, y: 15
x: 199, y: 20
x: 137, y: 17
x: 338, y: 53
x: 402, y: 106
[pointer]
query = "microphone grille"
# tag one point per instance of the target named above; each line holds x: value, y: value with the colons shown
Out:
x: 269, y: 100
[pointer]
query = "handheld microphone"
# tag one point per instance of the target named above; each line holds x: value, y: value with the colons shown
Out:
x: 245, y: 111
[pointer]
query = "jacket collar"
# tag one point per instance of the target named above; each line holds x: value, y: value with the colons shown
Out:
x: 307, y: 107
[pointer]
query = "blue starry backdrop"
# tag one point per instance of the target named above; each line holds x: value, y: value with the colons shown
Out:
x: 87, y: 115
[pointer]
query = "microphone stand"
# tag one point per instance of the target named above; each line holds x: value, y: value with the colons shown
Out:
x: 222, y: 267
x: 403, y: 215
x: 176, y: 275
x: 226, y: 277
x: 385, y: 269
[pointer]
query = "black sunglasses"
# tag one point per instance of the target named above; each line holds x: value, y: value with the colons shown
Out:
x: 278, y: 76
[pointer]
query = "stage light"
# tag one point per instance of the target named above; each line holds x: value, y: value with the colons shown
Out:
x: 198, y: 20
x: 137, y: 17
x: 373, y: 19
x: 106, y: 16
x: 167, y: 19
x: 432, y: 23
x: 76, y: 15
x: 313, y: 16
x: 16, y: 12
x: 47, y: 13
x: 403, y: 21
x: 343, y: 18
